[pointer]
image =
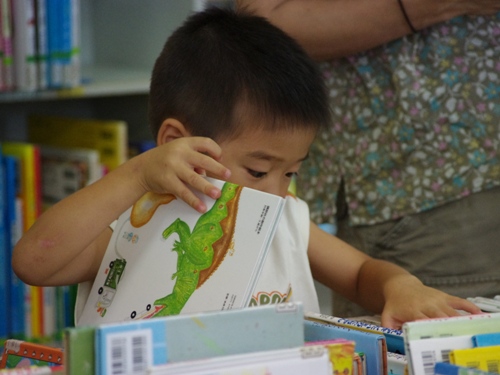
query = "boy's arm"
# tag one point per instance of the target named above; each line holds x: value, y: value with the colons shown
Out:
x: 377, y: 285
x: 67, y: 243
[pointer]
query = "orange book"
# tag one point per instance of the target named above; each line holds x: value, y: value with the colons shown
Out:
x: 19, y: 353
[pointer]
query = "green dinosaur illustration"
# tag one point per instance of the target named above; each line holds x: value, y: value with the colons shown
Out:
x: 201, y: 250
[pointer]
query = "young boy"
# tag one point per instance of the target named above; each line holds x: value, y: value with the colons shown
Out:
x: 234, y: 98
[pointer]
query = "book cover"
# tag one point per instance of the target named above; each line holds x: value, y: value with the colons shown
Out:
x: 294, y: 361
x: 109, y: 137
x: 371, y: 344
x: 486, y: 339
x: 394, y: 337
x: 78, y: 344
x: 195, y: 336
x: 195, y: 262
x: 486, y: 358
x: 443, y: 368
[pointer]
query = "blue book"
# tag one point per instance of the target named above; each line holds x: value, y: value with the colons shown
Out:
x: 4, y: 255
x: 486, y: 339
x: 371, y: 344
x: 194, y: 336
x: 14, y: 223
x: 444, y: 368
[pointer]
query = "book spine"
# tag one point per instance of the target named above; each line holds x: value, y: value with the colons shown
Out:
x: 8, y: 66
x: 24, y: 45
x: 54, y: 44
x: 41, y: 44
x: 4, y: 254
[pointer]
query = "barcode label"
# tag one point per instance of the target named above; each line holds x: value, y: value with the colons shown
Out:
x: 128, y: 353
x: 429, y: 360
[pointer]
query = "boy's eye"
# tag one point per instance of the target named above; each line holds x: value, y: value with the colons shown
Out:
x: 256, y: 174
x: 292, y: 174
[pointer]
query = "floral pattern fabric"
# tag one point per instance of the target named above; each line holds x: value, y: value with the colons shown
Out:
x: 415, y: 124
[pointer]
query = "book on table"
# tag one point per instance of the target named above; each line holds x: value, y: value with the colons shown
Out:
x: 165, y: 258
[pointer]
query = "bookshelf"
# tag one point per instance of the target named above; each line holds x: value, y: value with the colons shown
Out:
x: 120, y: 40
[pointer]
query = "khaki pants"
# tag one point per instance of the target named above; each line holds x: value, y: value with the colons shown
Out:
x: 454, y: 248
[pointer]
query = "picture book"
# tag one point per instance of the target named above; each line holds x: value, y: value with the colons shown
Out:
x: 19, y: 353
x: 486, y: 358
x: 451, y: 326
x: 78, y: 344
x: 444, y: 368
x: 371, y: 344
x: 195, y: 262
x: 423, y: 354
x: 109, y: 137
x: 195, y: 336
x: 394, y: 337
x: 446, y: 334
x: 397, y: 364
x: 294, y: 361
x: 341, y: 353
x: 486, y: 339
x: 66, y: 170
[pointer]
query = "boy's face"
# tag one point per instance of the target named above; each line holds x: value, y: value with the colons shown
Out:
x: 265, y: 160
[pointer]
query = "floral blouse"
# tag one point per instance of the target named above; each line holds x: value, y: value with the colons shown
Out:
x: 415, y: 124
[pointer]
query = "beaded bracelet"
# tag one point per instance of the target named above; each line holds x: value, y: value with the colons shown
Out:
x: 403, y: 10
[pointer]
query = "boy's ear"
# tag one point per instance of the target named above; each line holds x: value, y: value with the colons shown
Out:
x: 171, y: 129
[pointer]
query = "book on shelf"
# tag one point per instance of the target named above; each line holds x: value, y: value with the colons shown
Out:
x: 444, y: 368
x: 394, y: 337
x: 41, y: 44
x: 66, y: 170
x: 7, y: 83
x: 196, y: 336
x: 373, y: 345
x: 109, y: 137
x: 195, y: 262
x: 29, y: 174
x: 430, y: 341
x: 24, y: 45
x: 312, y: 359
x: 485, y: 358
x: 4, y: 253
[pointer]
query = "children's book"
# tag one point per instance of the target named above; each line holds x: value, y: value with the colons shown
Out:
x: 109, y: 137
x: 195, y: 336
x: 78, y: 344
x: 341, y: 352
x: 312, y: 359
x: 19, y: 353
x: 430, y: 340
x: 66, y: 170
x: 486, y: 339
x: 394, y: 337
x: 371, y: 344
x: 397, y: 364
x: 443, y: 368
x: 165, y: 258
x: 486, y: 358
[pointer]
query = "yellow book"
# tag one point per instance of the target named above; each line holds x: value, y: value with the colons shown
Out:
x: 109, y: 137
x: 486, y: 358
x: 30, y: 193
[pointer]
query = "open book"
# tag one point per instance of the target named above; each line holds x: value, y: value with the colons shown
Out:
x: 165, y: 258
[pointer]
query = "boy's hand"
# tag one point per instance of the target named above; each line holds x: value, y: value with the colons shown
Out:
x: 408, y: 299
x: 181, y: 163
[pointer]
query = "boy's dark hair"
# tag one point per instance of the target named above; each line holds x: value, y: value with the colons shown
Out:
x: 221, y: 65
